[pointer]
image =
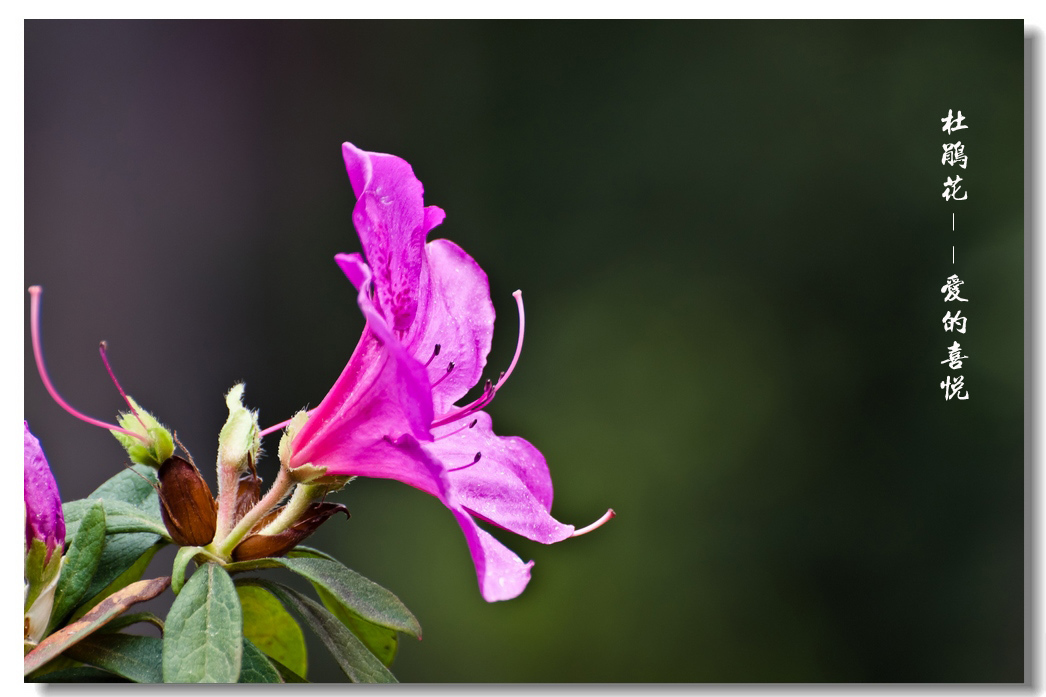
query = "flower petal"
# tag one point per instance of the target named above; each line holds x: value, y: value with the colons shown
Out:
x: 509, y: 485
x: 392, y: 222
x: 454, y: 312
x: 382, y: 392
x: 502, y: 575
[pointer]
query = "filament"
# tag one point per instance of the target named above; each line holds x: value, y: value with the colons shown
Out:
x: 589, y: 528
x: 102, y: 347
x: 38, y: 354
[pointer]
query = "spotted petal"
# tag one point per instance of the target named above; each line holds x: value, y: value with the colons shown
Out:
x: 392, y: 222
x: 455, y: 313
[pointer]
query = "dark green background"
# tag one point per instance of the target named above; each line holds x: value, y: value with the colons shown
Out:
x: 731, y: 240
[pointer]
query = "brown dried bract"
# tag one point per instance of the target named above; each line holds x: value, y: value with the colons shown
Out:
x: 188, y: 509
x: 260, y: 546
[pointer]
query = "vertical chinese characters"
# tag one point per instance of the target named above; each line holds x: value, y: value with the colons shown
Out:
x: 954, y: 154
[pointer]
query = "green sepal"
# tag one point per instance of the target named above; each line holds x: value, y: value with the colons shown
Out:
x: 203, y: 634
x: 293, y: 426
x: 160, y: 444
x: 81, y: 563
x: 39, y: 571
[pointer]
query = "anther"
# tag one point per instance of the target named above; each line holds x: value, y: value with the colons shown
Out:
x: 474, y: 461
x: 450, y: 367
x: 435, y: 352
x: 474, y: 422
x: 490, y: 389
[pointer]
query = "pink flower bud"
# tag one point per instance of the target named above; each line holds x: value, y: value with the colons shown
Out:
x: 43, y: 506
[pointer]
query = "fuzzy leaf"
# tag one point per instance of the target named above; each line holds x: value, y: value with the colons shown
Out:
x: 355, y: 660
x: 134, y: 485
x: 123, y: 561
x: 203, y: 636
x: 359, y: 594
x: 94, y: 620
x: 81, y: 562
x: 272, y: 629
x: 137, y: 658
x: 130, y: 618
x: 382, y: 641
x: 79, y: 674
x: 120, y: 516
x: 256, y: 667
x: 286, y: 674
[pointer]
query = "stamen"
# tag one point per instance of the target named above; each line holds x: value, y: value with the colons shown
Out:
x: 518, y: 295
x: 38, y: 354
x: 589, y: 528
x: 435, y: 352
x: 490, y: 390
x: 450, y: 367
x: 277, y: 427
x: 477, y: 458
x: 452, y: 433
x: 102, y: 348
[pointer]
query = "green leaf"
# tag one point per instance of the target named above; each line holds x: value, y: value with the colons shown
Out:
x: 309, y: 552
x: 272, y: 629
x: 94, y: 620
x: 382, y: 641
x: 81, y: 674
x: 203, y: 639
x: 80, y: 564
x: 355, y: 660
x: 286, y: 674
x: 133, y: 618
x: 137, y: 658
x: 359, y: 594
x: 256, y: 667
x: 120, y: 516
x: 134, y: 486
x: 123, y: 561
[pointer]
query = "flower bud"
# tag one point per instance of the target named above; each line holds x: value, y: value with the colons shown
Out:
x: 186, y: 504
x: 238, y: 441
x: 158, y: 444
x: 44, y: 538
x: 258, y: 546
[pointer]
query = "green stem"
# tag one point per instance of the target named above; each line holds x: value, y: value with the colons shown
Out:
x: 272, y: 498
x: 181, y: 561
x: 299, y: 502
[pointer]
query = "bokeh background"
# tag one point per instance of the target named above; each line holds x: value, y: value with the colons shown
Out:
x: 731, y: 239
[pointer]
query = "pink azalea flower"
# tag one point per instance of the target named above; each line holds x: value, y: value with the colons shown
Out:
x: 392, y: 413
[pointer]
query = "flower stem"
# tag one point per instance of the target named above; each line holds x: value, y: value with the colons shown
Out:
x: 272, y: 498
x: 299, y: 502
